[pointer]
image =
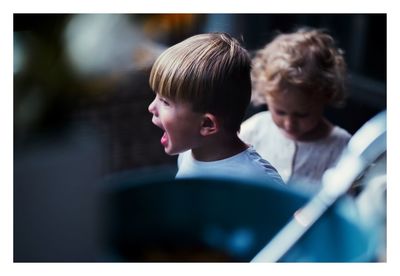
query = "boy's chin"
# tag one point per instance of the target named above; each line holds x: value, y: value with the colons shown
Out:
x: 170, y: 151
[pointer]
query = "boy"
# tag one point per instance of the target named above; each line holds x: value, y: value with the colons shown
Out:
x: 202, y: 88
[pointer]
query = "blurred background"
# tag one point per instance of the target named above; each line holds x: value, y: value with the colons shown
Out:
x: 80, y: 107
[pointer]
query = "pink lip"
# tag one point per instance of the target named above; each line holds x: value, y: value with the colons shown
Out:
x: 164, y: 139
x: 290, y: 133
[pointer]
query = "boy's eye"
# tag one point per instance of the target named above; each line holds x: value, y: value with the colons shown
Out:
x: 164, y: 101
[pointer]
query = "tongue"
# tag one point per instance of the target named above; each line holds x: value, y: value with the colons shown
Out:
x: 164, y: 139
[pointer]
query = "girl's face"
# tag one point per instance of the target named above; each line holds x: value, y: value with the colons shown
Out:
x: 180, y: 124
x: 295, y: 115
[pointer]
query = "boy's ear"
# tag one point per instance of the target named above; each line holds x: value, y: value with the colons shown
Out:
x: 209, y: 124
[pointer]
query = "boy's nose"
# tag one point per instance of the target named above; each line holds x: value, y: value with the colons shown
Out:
x: 152, y: 107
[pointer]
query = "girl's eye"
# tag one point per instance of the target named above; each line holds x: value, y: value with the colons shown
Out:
x: 280, y: 112
x: 302, y: 115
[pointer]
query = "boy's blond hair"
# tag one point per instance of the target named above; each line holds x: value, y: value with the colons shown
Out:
x: 209, y: 71
x: 306, y: 61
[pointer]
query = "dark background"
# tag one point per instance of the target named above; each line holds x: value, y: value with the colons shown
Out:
x: 73, y: 130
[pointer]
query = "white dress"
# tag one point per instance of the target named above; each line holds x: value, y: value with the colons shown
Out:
x: 246, y: 164
x: 297, y: 162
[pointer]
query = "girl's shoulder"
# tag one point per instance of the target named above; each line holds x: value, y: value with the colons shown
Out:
x: 263, y: 118
x: 257, y: 125
x: 259, y: 116
x: 339, y: 133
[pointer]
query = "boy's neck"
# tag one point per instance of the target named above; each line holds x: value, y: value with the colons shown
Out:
x: 218, y: 147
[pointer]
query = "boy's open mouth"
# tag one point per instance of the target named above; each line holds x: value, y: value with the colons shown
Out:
x: 164, y: 138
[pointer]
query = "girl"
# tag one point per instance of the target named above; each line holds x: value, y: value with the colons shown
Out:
x: 297, y: 75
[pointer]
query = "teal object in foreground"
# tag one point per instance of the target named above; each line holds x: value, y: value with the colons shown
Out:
x: 366, y: 147
x: 157, y: 219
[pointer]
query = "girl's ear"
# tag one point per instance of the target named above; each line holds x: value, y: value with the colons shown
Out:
x: 209, y: 124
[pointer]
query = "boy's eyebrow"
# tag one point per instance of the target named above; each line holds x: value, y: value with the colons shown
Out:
x: 163, y: 97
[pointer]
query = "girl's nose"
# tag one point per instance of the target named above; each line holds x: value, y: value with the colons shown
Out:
x: 289, y: 123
